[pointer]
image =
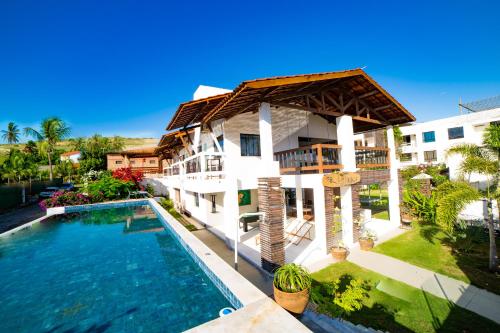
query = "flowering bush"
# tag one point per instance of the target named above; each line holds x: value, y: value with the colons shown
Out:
x: 110, y: 188
x: 127, y: 174
x: 63, y: 198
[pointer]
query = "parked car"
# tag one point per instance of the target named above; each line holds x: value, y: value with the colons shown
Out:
x: 67, y: 187
x: 48, y: 192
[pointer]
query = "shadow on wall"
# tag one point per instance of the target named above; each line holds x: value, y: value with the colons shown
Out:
x: 160, y: 189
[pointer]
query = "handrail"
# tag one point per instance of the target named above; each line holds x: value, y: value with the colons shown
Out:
x: 313, y: 158
x: 372, y: 157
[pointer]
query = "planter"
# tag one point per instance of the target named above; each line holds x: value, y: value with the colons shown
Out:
x: 293, y: 302
x: 366, y: 244
x: 339, y: 253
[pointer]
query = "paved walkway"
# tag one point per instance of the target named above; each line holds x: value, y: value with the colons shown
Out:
x: 19, y: 216
x: 458, y: 292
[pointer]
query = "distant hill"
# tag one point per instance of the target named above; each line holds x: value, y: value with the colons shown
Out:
x: 65, y: 145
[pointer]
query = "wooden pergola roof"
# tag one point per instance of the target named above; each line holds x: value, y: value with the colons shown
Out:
x: 332, y: 94
x: 193, y: 111
x: 171, y: 141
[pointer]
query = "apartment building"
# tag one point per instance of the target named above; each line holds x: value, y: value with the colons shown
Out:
x: 266, y: 164
x: 428, y: 142
x: 141, y: 159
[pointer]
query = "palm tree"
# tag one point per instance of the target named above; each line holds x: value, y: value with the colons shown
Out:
x: 485, y: 160
x: 65, y: 169
x: 11, y: 134
x: 52, y: 130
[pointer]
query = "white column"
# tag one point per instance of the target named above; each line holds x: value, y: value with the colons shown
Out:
x: 393, y: 186
x: 319, y: 217
x: 345, y: 138
x: 196, y: 139
x: 231, y: 208
x: 299, y: 201
x: 266, y: 136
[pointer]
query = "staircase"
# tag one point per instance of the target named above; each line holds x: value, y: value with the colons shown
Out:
x: 320, y: 323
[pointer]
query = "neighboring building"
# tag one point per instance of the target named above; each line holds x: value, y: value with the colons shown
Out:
x: 265, y: 148
x: 428, y: 142
x: 142, y: 159
x: 73, y: 156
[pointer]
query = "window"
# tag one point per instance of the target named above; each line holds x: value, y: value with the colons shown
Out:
x: 118, y: 162
x: 132, y: 162
x: 455, y: 133
x: 429, y: 136
x: 406, y: 157
x: 197, y: 199
x: 406, y: 140
x: 430, y: 156
x: 250, y: 145
x: 152, y: 162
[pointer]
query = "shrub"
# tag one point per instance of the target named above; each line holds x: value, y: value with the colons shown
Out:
x: 341, y: 297
x: 110, y: 188
x: 421, y: 206
x: 292, y: 278
x: 127, y: 174
x: 63, y: 198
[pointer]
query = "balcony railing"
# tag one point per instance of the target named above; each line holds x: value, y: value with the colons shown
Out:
x: 316, y: 158
x: 200, y: 166
x: 372, y: 157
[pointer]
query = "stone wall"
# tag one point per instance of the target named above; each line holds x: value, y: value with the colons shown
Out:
x: 272, y: 242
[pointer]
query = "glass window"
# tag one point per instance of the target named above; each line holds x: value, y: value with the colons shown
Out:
x: 430, y: 156
x: 455, y: 133
x: 132, y: 162
x: 405, y: 157
x: 118, y: 162
x: 250, y: 145
x: 152, y: 161
x: 406, y: 139
x: 429, y: 136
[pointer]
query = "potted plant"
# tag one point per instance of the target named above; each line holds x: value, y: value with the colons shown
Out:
x: 292, y: 284
x: 367, y: 240
x: 339, y: 252
x: 406, y: 216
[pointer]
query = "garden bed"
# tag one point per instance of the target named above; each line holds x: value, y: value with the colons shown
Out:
x: 397, y: 307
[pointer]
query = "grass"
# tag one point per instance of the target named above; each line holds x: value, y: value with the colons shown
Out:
x: 402, y: 308
x: 168, y: 205
x: 426, y: 246
x: 380, y: 209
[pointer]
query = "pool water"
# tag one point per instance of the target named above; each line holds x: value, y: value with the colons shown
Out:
x: 112, y: 270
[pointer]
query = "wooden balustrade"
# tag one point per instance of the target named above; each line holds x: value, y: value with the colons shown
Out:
x: 372, y: 157
x: 316, y: 158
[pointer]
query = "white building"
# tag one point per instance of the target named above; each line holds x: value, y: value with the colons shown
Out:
x: 73, y: 156
x: 429, y: 142
x: 266, y: 146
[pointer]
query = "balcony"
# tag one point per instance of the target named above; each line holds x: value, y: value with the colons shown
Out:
x: 316, y: 158
x: 324, y: 158
x: 202, y: 173
x: 372, y: 157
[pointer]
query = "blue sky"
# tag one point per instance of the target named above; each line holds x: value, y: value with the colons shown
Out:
x: 121, y: 67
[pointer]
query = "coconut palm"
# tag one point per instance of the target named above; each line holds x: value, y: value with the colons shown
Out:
x: 485, y: 160
x: 11, y: 134
x: 65, y: 169
x: 52, y: 130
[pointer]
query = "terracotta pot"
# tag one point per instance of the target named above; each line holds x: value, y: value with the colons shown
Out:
x: 366, y: 244
x: 339, y: 253
x: 293, y: 302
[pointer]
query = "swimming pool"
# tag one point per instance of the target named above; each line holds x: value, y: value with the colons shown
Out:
x: 112, y: 270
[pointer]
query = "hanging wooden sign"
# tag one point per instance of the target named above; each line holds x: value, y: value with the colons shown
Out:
x: 341, y: 179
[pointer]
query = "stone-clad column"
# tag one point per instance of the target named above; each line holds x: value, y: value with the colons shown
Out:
x: 272, y: 242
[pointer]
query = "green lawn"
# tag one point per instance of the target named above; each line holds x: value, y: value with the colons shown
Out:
x: 426, y: 246
x: 402, y: 308
x: 380, y: 209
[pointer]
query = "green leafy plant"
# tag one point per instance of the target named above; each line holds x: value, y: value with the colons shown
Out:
x: 341, y: 297
x: 292, y: 278
x: 110, y: 188
x: 421, y: 206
